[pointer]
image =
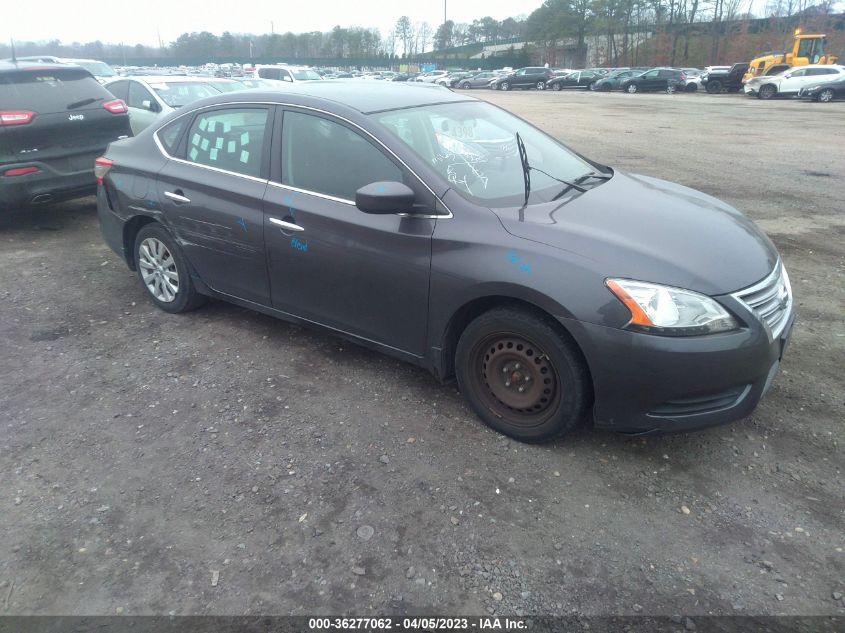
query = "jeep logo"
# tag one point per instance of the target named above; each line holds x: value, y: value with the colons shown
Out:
x: 75, y: 117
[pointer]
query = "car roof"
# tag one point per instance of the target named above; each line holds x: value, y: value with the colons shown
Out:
x: 8, y: 66
x: 164, y: 79
x: 378, y: 96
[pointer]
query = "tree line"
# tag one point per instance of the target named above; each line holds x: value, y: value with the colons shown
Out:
x: 634, y: 32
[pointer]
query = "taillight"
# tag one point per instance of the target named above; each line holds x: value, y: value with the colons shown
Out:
x: 116, y: 106
x: 101, y: 167
x: 16, y: 117
x: 683, y: 77
x: 20, y: 171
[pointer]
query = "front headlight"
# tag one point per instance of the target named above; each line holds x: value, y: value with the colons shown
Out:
x: 670, y: 311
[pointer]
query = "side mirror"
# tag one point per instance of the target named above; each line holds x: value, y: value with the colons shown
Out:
x: 385, y: 198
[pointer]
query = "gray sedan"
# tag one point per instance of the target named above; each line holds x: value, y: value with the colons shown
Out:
x: 446, y: 232
x: 481, y: 80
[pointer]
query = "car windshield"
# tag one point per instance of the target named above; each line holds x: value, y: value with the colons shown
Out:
x: 305, y: 75
x: 472, y: 144
x: 98, y: 69
x: 178, y: 93
x: 226, y: 86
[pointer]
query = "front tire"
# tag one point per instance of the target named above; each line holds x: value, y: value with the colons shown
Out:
x: 465, y: 85
x: 631, y: 89
x: 541, y: 85
x: 555, y: 87
x: 504, y: 86
x: 714, y: 87
x: 521, y: 375
x: 691, y: 87
x: 164, y: 271
x: 766, y: 92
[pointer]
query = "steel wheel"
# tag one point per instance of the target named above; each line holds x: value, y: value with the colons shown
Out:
x: 515, y: 379
x: 158, y: 270
x: 826, y: 95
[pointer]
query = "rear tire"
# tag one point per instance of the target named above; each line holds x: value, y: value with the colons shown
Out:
x: 714, y: 87
x: 555, y: 87
x: 505, y: 86
x: 465, y: 85
x: 691, y: 88
x: 164, y: 270
x: 631, y: 89
x: 541, y: 85
x: 521, y: 375
x: 826, y: 95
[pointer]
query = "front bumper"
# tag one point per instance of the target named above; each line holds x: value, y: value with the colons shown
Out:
x: 656, y: 384
x: 44, y: 186
x: 749, y: 89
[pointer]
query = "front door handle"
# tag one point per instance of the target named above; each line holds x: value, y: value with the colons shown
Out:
x: 177, y: 197
x: 287, y: 226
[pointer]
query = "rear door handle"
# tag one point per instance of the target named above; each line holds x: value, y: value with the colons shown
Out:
x: 287, y: 226
x: 177, y: 197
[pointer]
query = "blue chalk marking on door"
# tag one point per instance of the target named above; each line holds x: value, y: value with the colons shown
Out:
x: 299, y: 245
x: 380, y: 189
x: 242, y: 222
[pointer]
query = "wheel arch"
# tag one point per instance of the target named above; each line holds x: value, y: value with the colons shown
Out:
x: 130, y: 232
x: 471, y: 309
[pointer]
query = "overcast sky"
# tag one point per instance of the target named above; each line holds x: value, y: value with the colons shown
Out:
x: 138, y: 22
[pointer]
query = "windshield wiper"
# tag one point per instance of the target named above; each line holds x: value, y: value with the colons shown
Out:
x: 527, y: 169
x: 84, y: 102
x: 595, y: 175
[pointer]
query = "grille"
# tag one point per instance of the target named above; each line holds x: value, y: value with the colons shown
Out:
x: 770, y: 300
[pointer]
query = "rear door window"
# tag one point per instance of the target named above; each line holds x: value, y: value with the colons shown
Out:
x: 269, y: 73
x: 50, y: 90
x: 230, y: 139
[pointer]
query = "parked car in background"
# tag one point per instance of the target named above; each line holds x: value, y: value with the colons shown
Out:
x: 692, y: 80
x: 431, y: 76
x: 290, y: 74
x: 730, y: 80
x: 790, y: 81
x: 404, y: 77
x: 478, y: 80
x: 614, y: 80
x: 655, y: 80
x: 579, y: 79
x: 55, y: 120
x: 452, y: 79
x: 150, y: 97
x: 101, y: 70
x: 578, y: 291
x: 528, y: 77
x: 825, y: 91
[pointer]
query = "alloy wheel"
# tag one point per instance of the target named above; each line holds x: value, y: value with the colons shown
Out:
x: 158, y: 270
x: 826, y: 96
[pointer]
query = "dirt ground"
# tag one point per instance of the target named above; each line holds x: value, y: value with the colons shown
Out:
x: 143, y: 455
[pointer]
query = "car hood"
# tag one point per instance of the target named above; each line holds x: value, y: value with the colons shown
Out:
x: 648, y: 229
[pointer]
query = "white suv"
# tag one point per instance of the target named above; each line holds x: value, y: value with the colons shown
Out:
x: 790, y: 81
x: 432, y: 76
x: 280, y: 72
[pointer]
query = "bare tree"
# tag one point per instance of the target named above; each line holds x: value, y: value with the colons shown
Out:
x: 405, y: 33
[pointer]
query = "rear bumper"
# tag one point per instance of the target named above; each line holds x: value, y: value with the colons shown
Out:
x: 44, y: 186
x: 654, y: 384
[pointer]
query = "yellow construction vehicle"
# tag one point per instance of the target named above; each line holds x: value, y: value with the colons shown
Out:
x: 806, y: 49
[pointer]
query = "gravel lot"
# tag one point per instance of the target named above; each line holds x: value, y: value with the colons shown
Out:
x: 222, y: 462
